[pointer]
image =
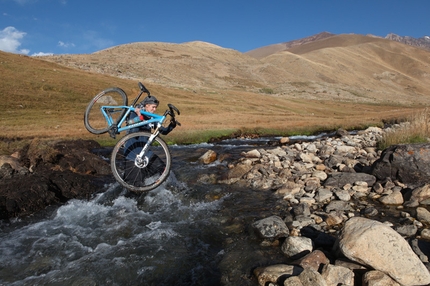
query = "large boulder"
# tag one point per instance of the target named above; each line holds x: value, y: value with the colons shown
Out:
x: 409, y: 164
x: 50, y: 172
x: 380, y: 247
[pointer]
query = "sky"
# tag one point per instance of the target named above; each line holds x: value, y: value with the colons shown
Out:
x: 43, y: 27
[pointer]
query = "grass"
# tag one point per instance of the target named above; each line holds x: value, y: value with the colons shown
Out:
x: 40, y: 99
x: 415, y: 129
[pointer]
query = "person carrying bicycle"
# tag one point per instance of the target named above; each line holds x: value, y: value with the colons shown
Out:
x: 155, y: 165
x: 148, y: 104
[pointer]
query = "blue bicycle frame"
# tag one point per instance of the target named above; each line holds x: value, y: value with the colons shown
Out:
x: 155, y: 118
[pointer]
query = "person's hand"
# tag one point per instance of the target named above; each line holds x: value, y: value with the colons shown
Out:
x: 172, y: 124
x: 137, y: 110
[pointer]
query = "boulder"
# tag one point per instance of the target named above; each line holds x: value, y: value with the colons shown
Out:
x: 407, y: 163
x: 378, y: 246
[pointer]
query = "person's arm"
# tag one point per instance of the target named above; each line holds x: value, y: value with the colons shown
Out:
x: 168, y: 129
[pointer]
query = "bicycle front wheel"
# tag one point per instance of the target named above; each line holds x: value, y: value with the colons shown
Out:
x: 94, y: 120
x: 140, y: 174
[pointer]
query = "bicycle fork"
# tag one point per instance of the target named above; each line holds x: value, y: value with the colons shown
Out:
x: 142, y: 159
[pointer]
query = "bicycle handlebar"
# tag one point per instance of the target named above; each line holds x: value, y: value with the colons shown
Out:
x: 172, y: 108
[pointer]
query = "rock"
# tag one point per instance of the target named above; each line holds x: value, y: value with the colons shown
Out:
x: 378, y: 278
x: 425, y: 234
x: 272, y: 273
x: 407, y: 230
x: 310, y: 277
x: 423, y: 215
x: 236, y: 173
x: 395, y: 198
x: 252, y: 154
x: 313, y: 260
x: 341, y: 179
x: 337, y: 275
x: 418, y: 195
x: 421, y: 248
x: 284, y: 140
x: 377, y: 245
x: 297, y: 246
x: 208, y: 157
x: 272, y: 227
x: 408, y: 163
x: 293, y: 281
x: 14, y: 163
x: 61, y: 170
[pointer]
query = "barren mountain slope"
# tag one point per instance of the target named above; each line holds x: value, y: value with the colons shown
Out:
x: 342, y: 68
x: 193, y: 65
x: 265, y: 51
x: 360, y: 67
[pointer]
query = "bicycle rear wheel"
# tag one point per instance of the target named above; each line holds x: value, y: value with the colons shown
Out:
x: 94, y: 120
x: 142, y: 176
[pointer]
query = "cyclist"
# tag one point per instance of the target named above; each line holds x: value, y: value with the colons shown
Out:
x: 154, y: 165
x: 149, y: 104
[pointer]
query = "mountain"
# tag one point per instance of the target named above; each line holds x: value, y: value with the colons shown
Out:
x: 275, y: 48
x: 423, y: 42
x: 345, y: 67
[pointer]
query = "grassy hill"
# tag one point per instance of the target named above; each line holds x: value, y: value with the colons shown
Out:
x: 347, y: 81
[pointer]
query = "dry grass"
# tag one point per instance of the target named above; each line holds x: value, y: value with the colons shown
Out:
x: 218, y: 91
x: 416, y: 129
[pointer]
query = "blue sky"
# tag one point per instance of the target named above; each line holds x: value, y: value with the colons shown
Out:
x: 37, y: 27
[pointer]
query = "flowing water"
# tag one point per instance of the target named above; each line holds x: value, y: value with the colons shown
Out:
x: 189, y: 231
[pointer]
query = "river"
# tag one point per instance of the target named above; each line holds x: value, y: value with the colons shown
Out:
x: 189, y: 231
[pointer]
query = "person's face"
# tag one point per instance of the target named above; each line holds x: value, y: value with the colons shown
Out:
x: 151, y: 108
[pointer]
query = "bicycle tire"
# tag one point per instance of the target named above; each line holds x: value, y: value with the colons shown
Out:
x: 94, y: 120
x: 140, y: 178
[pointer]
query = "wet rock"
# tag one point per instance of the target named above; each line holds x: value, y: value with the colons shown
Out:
x: 61, y: 170
x: 208, y: 157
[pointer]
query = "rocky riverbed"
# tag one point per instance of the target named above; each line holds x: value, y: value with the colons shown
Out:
x: 348, y: 214
x: 355, y: 215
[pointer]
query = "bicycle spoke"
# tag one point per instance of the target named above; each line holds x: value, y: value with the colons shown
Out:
x: 142, y: 175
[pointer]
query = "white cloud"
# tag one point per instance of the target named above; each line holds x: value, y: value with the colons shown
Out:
x: 65, y: 45
x: 10, y: 40
x: 41, y: 54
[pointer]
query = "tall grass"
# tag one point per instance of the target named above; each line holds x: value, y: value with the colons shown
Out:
x: 416, y: 129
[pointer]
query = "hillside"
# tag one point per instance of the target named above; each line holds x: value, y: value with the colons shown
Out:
x: 338, y: 81
x: 352, y: 68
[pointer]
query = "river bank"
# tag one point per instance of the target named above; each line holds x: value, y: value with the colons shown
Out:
x: 328, y: 183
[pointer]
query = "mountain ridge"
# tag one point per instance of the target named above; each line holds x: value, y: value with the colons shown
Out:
x: 346, y: 67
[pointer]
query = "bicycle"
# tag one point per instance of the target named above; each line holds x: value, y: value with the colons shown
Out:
x: 140, y: 161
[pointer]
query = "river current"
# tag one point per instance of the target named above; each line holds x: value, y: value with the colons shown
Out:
x: 188, y: 231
